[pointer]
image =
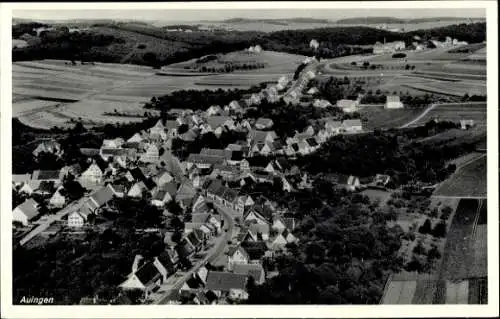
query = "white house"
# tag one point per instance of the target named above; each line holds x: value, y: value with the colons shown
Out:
x: 93, y: 175
x: 137, y: 190
x: 78, y: 218
x: 393, y: 102
x: 152, y: 154
x: 237, y: 255
x: 466, y: 124
x: 348, y: 106
x: 25, y: 212
x: 58, y: 200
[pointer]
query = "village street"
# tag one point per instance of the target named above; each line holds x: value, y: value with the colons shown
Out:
x: 52, y: 218
x: 174, y: 283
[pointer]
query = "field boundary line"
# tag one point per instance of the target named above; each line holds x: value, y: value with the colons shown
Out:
x: 424, y: 113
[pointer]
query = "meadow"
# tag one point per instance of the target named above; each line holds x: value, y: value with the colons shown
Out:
x: 376, y: 117
x: 470, y: 180
x: 457, y: 112
x: 53, y: 93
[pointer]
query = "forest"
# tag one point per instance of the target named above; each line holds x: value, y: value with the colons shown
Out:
x: 334, y: 42
x: 345, y: 252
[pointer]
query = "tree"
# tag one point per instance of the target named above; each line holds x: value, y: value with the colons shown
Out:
x: 439, y: 230
x: 446, y: 212
x: 426, y: 227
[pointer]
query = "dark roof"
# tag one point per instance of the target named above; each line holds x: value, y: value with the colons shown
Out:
x: 229, y: 194
x: 312, y: 141
x: 102, y: 196
x: 251, y: 270
x: 46, y: 186
x: 89, y: 151
x: 205, y: 159
x: 200, y: 217
x: 137, y: 174
x: 217, y: 120
x: 170, y: 187
x: 115, y: 151
x: 225, y: 281
x: 44, y: 175
x: 149, y: 183
x: 295, y: 147
x: 193, y: 238
x: 255, y: 250
x: 148, y: 273
x: 217, y: 152
x: 237, y: 156
x: 132, y: 145
x: 184, y: 248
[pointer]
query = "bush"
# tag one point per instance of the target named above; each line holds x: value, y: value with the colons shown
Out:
x: 399, y: 55
x: 446, y: 212
x: 439, y: 230
x: 426, y: 227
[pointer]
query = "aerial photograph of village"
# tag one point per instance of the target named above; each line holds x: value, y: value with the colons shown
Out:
x: 266, y: 157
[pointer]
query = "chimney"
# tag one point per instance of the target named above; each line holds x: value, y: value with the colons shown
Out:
x: 135, y: 265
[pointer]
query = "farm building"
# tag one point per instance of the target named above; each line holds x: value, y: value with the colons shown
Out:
x: 348, y: 106
x: 466, y: 124
x: 314, y: 44
x: 25, y: 212
x: 393, y: 102
x: 389, y: 47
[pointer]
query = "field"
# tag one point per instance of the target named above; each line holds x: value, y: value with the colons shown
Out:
x: 467, y: 181
x: 376, y: 117
x: 51, y: 93
x: 456, y: 112
x: 274, y: 62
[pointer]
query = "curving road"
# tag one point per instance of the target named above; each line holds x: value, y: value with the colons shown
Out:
x: 170, y: 288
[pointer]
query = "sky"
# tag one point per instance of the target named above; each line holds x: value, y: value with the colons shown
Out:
x: 221, y: 14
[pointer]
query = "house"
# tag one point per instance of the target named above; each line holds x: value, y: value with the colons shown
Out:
x: 320, y: 103
x: 352, y: 126
x: 390, y: 47
x: 263, y: 123
x: 203, y: 161
x: 466, y: 124
x: 119, y: 190
x: 237, y: 255
x: 163, y: 178
x: 74, y: 170
x: 136, y: 138
x: 157, y: 129
x: 115, y: 143
x: 190, y: 135
x: 20, y: 179
x: 151, y: 155
x: 135, y: 175
x: 25, y: 212
x: 185, y: 194
x: 99, y: 198
x: 348, y: 182
x: 92, y: 175
x: 278, y: 242
x: 218, y: 121
x: 137, y: 190
x: 259, y: 231
x: 30, y: 187
x: 230, y: 284
x: 333, y: 127
x: 381, y: 179
x: 185, y: 249
x: 348, y: 106
x: 163, y: 194
x: 147, y: 278
x: 48, y: 146
x: 78, y: 218
x: 258, y: 216
x: 393, y: 102
x: 214, y: 110
x: 58, y: 199
x: 226, y: 154
x: 46, y: 175
x: 256, y: 271
x: 257, y: 136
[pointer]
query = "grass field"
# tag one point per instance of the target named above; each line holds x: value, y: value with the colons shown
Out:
x: 468, y: 181
x: 457, y: 112
x: 376, y: 117
x: 91, y: 90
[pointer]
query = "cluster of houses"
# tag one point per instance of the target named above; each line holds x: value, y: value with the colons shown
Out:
x: 388, y: 47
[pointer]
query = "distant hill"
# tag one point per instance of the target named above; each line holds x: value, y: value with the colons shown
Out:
x: 288, y: 20
x: 391, y: 20
x: 371, y: 20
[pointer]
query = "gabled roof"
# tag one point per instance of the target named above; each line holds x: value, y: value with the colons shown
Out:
x: 393, y: 98
x: 45, y: 174
x: 170, y: 188
x: 255, y: 271
x: 171, y: 124
x: 256, y: 250
x: 225, y: 281
x: 200, y: 217
x: 147, y: 274
x: 217, y: 120
x: 333, y: 124
x: 264, y: 122
x: 103, y: 195
x: 137, y: 174
x: 193, y: 238
x: 233, y: 249
x: 29, y: 208
x: 89, y: 152
x: 217, y: 152
x: 351, y: 123
x: 184, y: 248
x: 346, y: 103
x: 312, y: 141
x: 260, y: 136
x: 172, y: 164
x: 19, y: 178
x: 45, y: 186
x: 205, y: 159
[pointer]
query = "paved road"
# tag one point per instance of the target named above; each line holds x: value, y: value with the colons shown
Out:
x: 60, y: 214
x: 211, y: 255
